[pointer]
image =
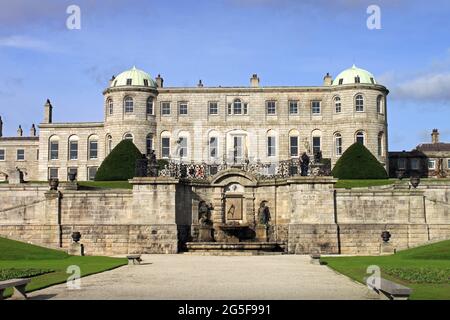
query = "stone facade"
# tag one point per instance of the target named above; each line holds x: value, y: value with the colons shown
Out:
x: 160, y: 215
x: 213, y: 124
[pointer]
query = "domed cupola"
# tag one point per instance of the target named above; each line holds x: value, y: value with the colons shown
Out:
x: 133, y: 77
x: 354, y: 75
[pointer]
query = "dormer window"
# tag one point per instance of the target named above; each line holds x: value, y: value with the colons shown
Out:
x: 372, y: 80
x: 146, y: 82
x: 357, y: 79
x: 129, y: 82
x: 341, y: 81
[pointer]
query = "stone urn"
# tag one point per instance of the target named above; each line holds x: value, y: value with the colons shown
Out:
x: 386, y: 235
x: 415, y: 181
x: 76, y: 236
x: 53, y: 183
x: 72, y: 176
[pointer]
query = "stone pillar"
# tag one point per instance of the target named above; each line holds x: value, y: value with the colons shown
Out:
x: 52, y: 209
x: 327, y: 80
x: 254, y: 81
x: 20, y: 131
x: 33, y: 131
x: 159, y: 81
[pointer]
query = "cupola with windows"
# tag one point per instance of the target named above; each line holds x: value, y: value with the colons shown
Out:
x: 133, y: 77
x: 354, y: 75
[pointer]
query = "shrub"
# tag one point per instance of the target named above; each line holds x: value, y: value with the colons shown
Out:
x: 162, y: 163
x: 120, y: 164
x: 358, y: 162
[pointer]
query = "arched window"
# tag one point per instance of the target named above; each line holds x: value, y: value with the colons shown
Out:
x: 294, y: 143
x: 337, y: 104
x: 380, y: 105
x: 128, y: 104
x: 338, y: 144
x: 380, y: 144
x: 359, y: 103
x: 360, y: 137
x: 53, y: 148
x: 73, y: 148
x: 93, y: 147
x: 110, y: 105
x: 150, y: 110
x: 128, y: 136
x: 237, y: 106
x: 108, y: 144
x: 149, y: 143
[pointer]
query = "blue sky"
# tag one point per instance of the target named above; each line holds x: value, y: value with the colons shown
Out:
x: 223, y: 42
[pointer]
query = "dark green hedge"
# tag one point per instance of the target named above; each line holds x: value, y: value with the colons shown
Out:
x: 120, y: 164
x: 358, y: 162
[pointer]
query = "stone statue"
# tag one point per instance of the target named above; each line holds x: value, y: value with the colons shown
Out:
x: 318, y: 157
x: 153, y: 164
x: 263, y: 214
x: 204, y: 213
x: 304, y: 166
x: 307, y: 146
x: 141, y: 166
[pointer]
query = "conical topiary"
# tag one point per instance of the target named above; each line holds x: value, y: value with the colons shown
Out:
x: 358, y: 162
x: 120, y: 164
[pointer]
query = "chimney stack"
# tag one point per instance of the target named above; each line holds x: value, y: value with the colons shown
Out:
x: 435, y: 136
x: 48, y: 112
x: 159, y: 81
x: 1, y: 127
x: 254, y: 81
x: 33, y: 131
x: 200, y: 84
x: 327, y: 80
x: 20, y: 131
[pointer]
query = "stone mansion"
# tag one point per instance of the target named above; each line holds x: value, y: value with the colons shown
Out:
x: 207, y: 124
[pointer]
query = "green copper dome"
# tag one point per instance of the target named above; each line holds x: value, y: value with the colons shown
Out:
x: 350, y: 76
x: 133, y: 77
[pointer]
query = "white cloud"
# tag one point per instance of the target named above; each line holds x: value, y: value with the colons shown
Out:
x: 428, y: 87
x: 25, y: 42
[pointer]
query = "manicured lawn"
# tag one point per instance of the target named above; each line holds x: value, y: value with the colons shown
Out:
x: 347, y: 184
x: 105, y: 185
x: 20, y: 259
x: 425, y: 269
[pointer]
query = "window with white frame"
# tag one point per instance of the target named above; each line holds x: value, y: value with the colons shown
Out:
x: 53, y: 173
x: 338, y: 144
x: 213, y: 143
x: 165, y: 108
x: 271, y: 146
x: 293, y: 146
x: 337, y: 105
x: 315, y: 107
x: 213, y: 108
x: 92, y: 171
x: 165, y: 147
x: 54, y: 148
x: 380, y: 104
x: 128, y: 104
x: 432, y: 164
x: 359, y: 103
x: 149, y: 108
x: 110, y: 104
x: 237, y: 106
x: 2, y: 154
x: 73, y: 148
x: 360, y: 138
x: 293, y: 107
x: 271, y: 107
x: 317, y: 146
x: 93, y: 148
x: 183, y: 108
x: 20, y: 155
